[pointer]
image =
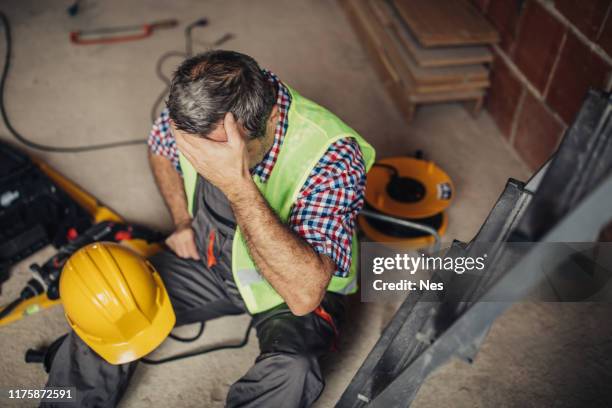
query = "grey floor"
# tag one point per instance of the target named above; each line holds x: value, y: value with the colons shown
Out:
x: 60, y: 94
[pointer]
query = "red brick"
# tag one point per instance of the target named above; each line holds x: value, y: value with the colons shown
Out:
x: 505, y: 15
x: 578, y: 69
x: 586, y: 15
x: 504, y: 96
x: 538, y: 43
x: 538, y: 132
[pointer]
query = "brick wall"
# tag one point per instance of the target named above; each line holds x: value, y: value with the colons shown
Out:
x: 551, y: 52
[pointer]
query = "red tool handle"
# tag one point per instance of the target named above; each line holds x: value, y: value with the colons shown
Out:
x: 146, y: 31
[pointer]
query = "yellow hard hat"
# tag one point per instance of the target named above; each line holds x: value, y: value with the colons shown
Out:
x: 115, y: 301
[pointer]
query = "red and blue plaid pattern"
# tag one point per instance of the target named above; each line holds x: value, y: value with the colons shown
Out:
x: 283, y: 101
x: 161, y: 142
x: 325, y: 212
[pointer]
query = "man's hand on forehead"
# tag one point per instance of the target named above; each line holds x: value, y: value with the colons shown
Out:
x: 222, y: 158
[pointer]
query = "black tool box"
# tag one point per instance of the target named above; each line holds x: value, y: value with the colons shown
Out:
x: 34, y: 211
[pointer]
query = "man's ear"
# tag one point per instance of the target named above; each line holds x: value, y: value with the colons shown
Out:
x: 273, y: 115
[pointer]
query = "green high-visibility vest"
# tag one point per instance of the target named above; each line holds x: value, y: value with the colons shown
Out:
x: 312, y: 130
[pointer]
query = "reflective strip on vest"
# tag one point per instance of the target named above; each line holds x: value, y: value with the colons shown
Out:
x: 249, y: 276
x: 348, y: 289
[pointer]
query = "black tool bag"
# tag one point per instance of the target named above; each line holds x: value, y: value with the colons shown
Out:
x: 34, y: 211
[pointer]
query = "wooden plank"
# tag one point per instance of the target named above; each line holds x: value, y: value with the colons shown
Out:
x: 446, y: 22
x: 446, y: 96
x: 397, y: 65
x: 370, y: 39
x: 424, y: 80
x: 434, y: 57
x: 380, y: 61
x: 403, y: 94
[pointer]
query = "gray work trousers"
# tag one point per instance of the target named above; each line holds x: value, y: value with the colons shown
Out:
x: 286, y: 373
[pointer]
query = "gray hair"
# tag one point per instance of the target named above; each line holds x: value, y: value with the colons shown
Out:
x: 207, y: 86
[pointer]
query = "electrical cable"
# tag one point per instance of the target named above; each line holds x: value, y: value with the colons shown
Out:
x: 164, y: 79
x: 389, y: 167
x: 188, y: 339
x: 21, y: 138
x: 85, y: 148
x: 188, y: 354
x: 201, y: 22
x: 245, y: 340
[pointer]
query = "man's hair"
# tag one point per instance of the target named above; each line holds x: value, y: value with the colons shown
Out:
x: 207, y: 86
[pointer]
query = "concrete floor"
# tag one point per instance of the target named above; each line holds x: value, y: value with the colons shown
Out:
x: 60, y: 94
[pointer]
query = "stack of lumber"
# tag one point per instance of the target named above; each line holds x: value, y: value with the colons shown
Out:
x: 426, y: 51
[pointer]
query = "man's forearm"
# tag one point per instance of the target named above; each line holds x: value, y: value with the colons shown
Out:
x: 170, y: 184
x: 298, y: 273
